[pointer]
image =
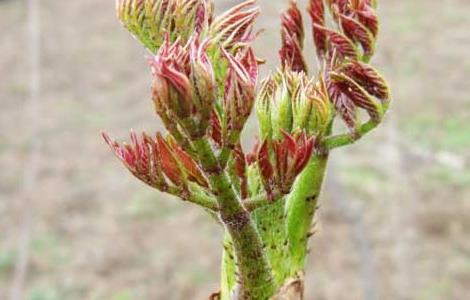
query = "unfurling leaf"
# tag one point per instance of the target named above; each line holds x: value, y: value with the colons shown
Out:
x: 292, y: 33
x: 340, y: 43
x: 150, y: 20
x: 358, y: 95
x: 289, y: 157
x: 234, y: 28
x: 369, y: 78
x: 358, y: 33
x: 159, y: 162
x: 239, y: 94
x: 369, y: 19
x: 316, y: 11
x: 141, y: 158
x: 184, y: 85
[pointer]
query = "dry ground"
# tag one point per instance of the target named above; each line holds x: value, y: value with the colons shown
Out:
x: 395, y: 219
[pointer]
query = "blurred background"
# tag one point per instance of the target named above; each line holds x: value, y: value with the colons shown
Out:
x: 395, y: 215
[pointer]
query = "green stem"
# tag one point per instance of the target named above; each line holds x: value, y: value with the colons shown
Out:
x: 255, y: 277
x: 198, y: 196
x: 340, y: 140
x: 227, y: 149
x: 301, y: 207
x: 261, y: 200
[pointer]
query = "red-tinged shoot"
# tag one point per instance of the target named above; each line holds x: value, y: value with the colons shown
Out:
x: 292, y: 34
x: 157, y: 162
x: 183, y: 85
x: 292, y: 102
x: 281, y: 161
x: 150, y: 20
x: 344, y: 51
x: 204, y: 88
x: 142, y: 158
x: 316, y: 11
x: 358, y: 26
x: 234, y: 28
x: 240, y: 91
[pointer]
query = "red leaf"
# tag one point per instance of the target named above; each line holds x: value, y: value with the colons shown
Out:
x: 367, y: 77
x: 289, y: 142
x: 292, y: 33
x: 282, y: 160
x: 369, y: 19
x: 235, y: 26
x: 304, y: 153
x: 291, y: 54
x: 316, y: 10
x: 344, y: 106
x: 216, y: 129
x: 265, y: 166
x: 192, y: 169
x: 168, y: 161
x: 340, y: 43
x: 357, y: 95
x: 141, y: 158
x: 250, y: 63
x: 358, y: 33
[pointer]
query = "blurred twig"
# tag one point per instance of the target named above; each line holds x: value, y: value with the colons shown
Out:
x: 31, y: 167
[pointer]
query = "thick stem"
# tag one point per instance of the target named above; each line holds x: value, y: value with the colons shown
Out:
x: 255, y: 277
x: 284, y: 226
x: 301, y: 207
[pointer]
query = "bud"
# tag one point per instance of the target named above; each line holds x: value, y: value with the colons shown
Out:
x: 234, y: 28
x: 141, y: 158
x: 203, y: 80
x: 274, y: 104
x: 289, y: 102
x: 311, y: 108
x: 292, y: 33
x: 240, y: 86
x: 157, y: 162
x: 289, y: 157
x: 183, y: 85
x: 150, y: 20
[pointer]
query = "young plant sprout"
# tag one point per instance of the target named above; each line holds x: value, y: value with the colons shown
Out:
x: 204, y: 89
